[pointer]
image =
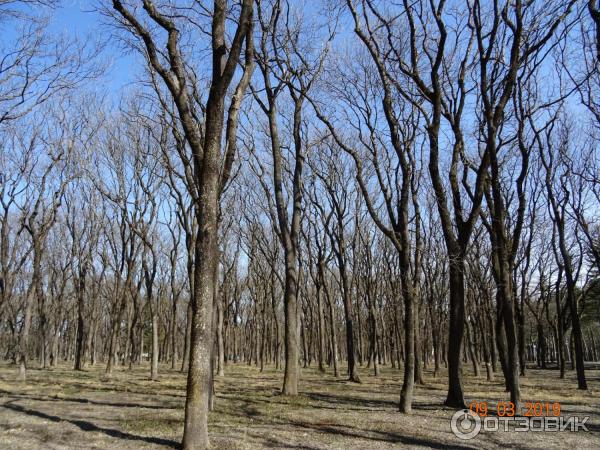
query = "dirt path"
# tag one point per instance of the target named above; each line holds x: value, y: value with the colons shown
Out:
x: 63, y: 409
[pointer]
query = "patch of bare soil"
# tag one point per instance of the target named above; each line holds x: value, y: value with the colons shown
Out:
x: 63, y: 409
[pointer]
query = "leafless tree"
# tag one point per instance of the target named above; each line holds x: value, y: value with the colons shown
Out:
x: 211, y: 167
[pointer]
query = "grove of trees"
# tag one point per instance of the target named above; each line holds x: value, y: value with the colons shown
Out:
x: 331, y: 183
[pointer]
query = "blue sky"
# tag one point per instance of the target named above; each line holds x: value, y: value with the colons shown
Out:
x: 79, y: 18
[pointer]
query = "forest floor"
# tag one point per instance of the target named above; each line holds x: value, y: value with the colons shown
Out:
x: 63, y: 409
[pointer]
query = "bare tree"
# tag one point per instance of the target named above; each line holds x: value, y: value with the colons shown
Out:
x: 211, y: 167
x: 285, y: 64
x: 46, y: 185
x: 37, y: 65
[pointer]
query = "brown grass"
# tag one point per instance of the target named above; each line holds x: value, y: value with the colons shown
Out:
x: 64, y: 409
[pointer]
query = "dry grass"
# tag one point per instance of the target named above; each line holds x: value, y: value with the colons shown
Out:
x: 64, y: 409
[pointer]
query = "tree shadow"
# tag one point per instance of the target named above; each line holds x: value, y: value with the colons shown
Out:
x: 124, y: 389
x: 350, y: 402
x: 88, y: 426
x: 88, y: 401
x: 271, y: 442
x: 340, y: 430
x: 376, y: 435
x: 593, y: 427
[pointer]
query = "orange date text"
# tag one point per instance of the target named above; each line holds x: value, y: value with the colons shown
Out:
x: 508, y: 409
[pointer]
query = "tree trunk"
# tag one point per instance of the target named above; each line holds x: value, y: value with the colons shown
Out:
x: 199, y: 385
x: 418, y: 348
x: 80, y: 348
x: 188, y: 334
x: 472, y: 353
x: 292, y: 367
x: 455, y: 397
x: 174, y: 355
x: 332, y: 330
x: 23, y: 345
x: 321, y: 329
x: 409, y: 349
x: 154, y: 368
x: 220, y: 341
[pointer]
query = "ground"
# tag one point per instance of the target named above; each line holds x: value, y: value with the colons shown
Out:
x: 63, y: 409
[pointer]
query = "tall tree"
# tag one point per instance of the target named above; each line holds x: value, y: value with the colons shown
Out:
x: 211, y: 166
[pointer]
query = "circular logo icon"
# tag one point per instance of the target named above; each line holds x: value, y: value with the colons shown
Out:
x: 465, y: 424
